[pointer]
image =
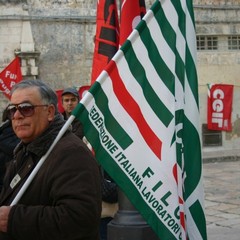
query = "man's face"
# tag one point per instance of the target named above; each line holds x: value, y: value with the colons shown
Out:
x: 69, y: 102
x: 28, y: 128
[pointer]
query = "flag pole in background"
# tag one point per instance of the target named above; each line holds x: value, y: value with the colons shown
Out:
x: 142, y: 118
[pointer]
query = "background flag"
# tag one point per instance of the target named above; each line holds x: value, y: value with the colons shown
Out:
x: 142, y: 118
x: 220, y: 98
x: 132, y: 11
x: 107, y: 36
x: 10, y: 76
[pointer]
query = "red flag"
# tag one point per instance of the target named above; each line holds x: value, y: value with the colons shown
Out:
x: 82, y: 90
x: 132, y: 11
x: 220, y: 107
x: 10, y: 76
x: 107, y: 36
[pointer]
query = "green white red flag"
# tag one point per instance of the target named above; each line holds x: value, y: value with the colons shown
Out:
x: 107, y: 36
x: 10, y: 76
x: 142, y: 118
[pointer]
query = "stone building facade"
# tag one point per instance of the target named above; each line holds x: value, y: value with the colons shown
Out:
x: 54, y: 39
x: 218, y: 23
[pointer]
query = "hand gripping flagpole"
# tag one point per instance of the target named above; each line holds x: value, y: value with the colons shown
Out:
x: 41, y: 161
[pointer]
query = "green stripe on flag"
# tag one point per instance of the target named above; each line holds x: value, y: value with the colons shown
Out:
x: 160, y: 66
x: 101, y: 101
x: 117, y: 132
x: 192, y: 155
x: 197, y: 214
x: 171, y: 37
x: 139, y: 74
x: 192, y: 74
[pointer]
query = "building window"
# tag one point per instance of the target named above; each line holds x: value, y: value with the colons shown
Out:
x: 234, y: 42
x: 211, y: 138
x: 207, y: 43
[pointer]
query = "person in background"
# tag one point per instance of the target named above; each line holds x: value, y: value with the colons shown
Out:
x: 70, y: 99
x: 63, y: 201
x: 8, y: 141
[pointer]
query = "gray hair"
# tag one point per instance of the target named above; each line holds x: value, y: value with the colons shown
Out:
x: 48, y: 94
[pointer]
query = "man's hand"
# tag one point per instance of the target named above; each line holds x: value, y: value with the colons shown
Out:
x: 4, y: 211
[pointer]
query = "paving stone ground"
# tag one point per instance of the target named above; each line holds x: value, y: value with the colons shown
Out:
x: 221, y: 181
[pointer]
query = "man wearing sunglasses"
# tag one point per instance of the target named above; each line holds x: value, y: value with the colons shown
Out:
x: 63, y: 202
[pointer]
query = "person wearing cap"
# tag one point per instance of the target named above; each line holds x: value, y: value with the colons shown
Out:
x: 70, y: 99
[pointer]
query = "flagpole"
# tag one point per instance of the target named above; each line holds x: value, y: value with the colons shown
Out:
x: 128, y: 223
x: 41, y: 161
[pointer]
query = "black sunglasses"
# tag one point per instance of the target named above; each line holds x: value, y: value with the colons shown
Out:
x: 26, y: 109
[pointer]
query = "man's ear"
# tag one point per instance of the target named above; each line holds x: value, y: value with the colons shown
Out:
x: 51, y: 112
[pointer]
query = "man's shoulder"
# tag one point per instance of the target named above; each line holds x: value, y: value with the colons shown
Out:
x: 70, y: 140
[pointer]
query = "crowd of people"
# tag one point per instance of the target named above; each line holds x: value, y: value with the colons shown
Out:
x: 64, y: 199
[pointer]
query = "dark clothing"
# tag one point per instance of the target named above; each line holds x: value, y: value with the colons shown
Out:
x: 63, y: 202
x: 103, y: 227
x: 8, y: 141
x: 77, y: 127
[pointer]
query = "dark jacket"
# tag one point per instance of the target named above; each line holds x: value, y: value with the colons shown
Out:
x: 77, y: 127
x: 64, y: 200
x: 8, y: 141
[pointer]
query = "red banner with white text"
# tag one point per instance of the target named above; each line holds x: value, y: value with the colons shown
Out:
x: 220, y: 106
x: 10, y: 76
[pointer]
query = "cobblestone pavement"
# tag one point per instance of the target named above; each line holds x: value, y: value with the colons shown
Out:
x: 222, y: 199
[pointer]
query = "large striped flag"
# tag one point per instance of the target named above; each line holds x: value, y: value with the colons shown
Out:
x: 132, y: 11
x: 107, y: 36
x: 142, y: 118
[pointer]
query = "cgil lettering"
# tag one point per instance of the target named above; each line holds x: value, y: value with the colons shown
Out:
x: 217, y: 106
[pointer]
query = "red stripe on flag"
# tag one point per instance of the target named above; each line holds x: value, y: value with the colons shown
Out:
x: 133, y: 109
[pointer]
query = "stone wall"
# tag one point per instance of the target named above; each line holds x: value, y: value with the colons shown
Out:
x: 216, y: 2
x: 221, y: 19
x: 62, y: 32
